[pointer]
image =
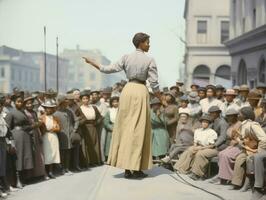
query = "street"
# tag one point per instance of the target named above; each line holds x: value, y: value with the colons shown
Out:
x: 108, y: 183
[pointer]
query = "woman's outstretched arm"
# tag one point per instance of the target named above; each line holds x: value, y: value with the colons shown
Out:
x: 108, y: 69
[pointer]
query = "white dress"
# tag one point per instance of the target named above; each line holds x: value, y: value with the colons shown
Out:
x: 50, y: 144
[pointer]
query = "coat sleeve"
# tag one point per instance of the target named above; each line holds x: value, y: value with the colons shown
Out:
x: 9, y: 121
x: 108, y: 125
x: 222, y: 136
x: 115, y: 67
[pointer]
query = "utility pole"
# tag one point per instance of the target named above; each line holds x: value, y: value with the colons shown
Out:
x: 57, y: 67
x: 45, y: 83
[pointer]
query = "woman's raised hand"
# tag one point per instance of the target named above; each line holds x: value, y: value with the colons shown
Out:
x: 90, y: 61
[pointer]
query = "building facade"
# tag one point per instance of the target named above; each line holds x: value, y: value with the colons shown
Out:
x: 207, y: 59
x: 81, y: 75
x: 51, y: 71
x: 17, y: 70
x: 247, y: 44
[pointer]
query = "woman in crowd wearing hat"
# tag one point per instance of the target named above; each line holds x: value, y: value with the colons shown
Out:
x: 134, y: 110
x: 160, y: 136
x: 190, y: 160
x: 184, y: 136
x: 66, y: 119
x: 109, y: 121
x: 210, y: 99
x: 75, y: 137
x: 39, y: 166
x: 20, y: 126
x: 50, y: 129
x: 171, y: 114
x: 194, y: 87
x: 227, y: 156
x: 247, y: 117
x: 91, y: 137
x: 254, y: 98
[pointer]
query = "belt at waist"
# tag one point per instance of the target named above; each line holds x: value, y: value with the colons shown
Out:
x: 18, y: 127
x: 137, y: 81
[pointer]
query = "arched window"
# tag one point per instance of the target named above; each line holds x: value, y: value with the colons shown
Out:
x: 201, y: 75
x: 242, y: 73
x: 262, y: 71
x: 223, y: 76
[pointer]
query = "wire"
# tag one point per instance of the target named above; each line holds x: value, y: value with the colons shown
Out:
x: 192, y: 185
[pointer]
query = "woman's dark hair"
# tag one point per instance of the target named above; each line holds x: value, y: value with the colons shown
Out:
x: 248, y: 113
x: 139, y: 38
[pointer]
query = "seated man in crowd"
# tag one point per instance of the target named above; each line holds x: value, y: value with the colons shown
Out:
x: 184, y: 136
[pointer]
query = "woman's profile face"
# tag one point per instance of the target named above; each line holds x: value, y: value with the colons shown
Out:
x: 145, y: 46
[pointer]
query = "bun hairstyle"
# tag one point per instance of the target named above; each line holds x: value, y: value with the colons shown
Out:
x: 139, y: 38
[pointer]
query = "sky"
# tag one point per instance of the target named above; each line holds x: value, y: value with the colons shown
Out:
x: 107, y: 25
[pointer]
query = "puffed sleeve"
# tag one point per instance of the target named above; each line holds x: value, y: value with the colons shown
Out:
x: 153, y: 76
x: 213, y: 137
x: 115, y: 67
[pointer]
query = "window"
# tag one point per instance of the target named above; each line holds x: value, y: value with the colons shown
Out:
x: 254, y: 18
x: 202, y: 27
x: 243, y: 25
x: 12, y: 74
x: 224, y: 31
x: 202, y: 31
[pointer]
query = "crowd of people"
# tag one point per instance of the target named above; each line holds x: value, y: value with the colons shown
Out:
x: 46, y: 134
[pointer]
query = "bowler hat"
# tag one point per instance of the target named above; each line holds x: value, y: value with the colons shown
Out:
x: 205, y: 118
x: 214, y: 109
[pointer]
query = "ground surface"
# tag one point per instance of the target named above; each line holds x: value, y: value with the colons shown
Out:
x: 108, y: 183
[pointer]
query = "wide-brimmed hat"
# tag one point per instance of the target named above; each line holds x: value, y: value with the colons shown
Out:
x: 49, y: 103
x: 184, y: 98
x: 179, y: 82
x: 50, y: 93
x: 253, y: 94
x: 172, y: 94
x: 155, y: 100
x: 230, y: 92
x: 174, y: 87
x: 28, y: 96
x: 219, y: 87
x: 211, y: 87
x: 61, y: 98
x: 194, y: 84
x: 193, y: 96
x: 244, y: 88
x: 205, y: 118
x: 231, y: 111
x: 107, y: 90
x: 261, y: 86
x: 214, y: 109
x: 236, y: 87
x: 85, y: 93
x: 17, y: 94
x: 202, y: 89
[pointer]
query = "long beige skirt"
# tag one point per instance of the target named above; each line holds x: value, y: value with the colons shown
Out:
x: 131, y: 138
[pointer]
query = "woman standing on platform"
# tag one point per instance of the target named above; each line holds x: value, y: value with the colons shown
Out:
x: 131, y: 142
